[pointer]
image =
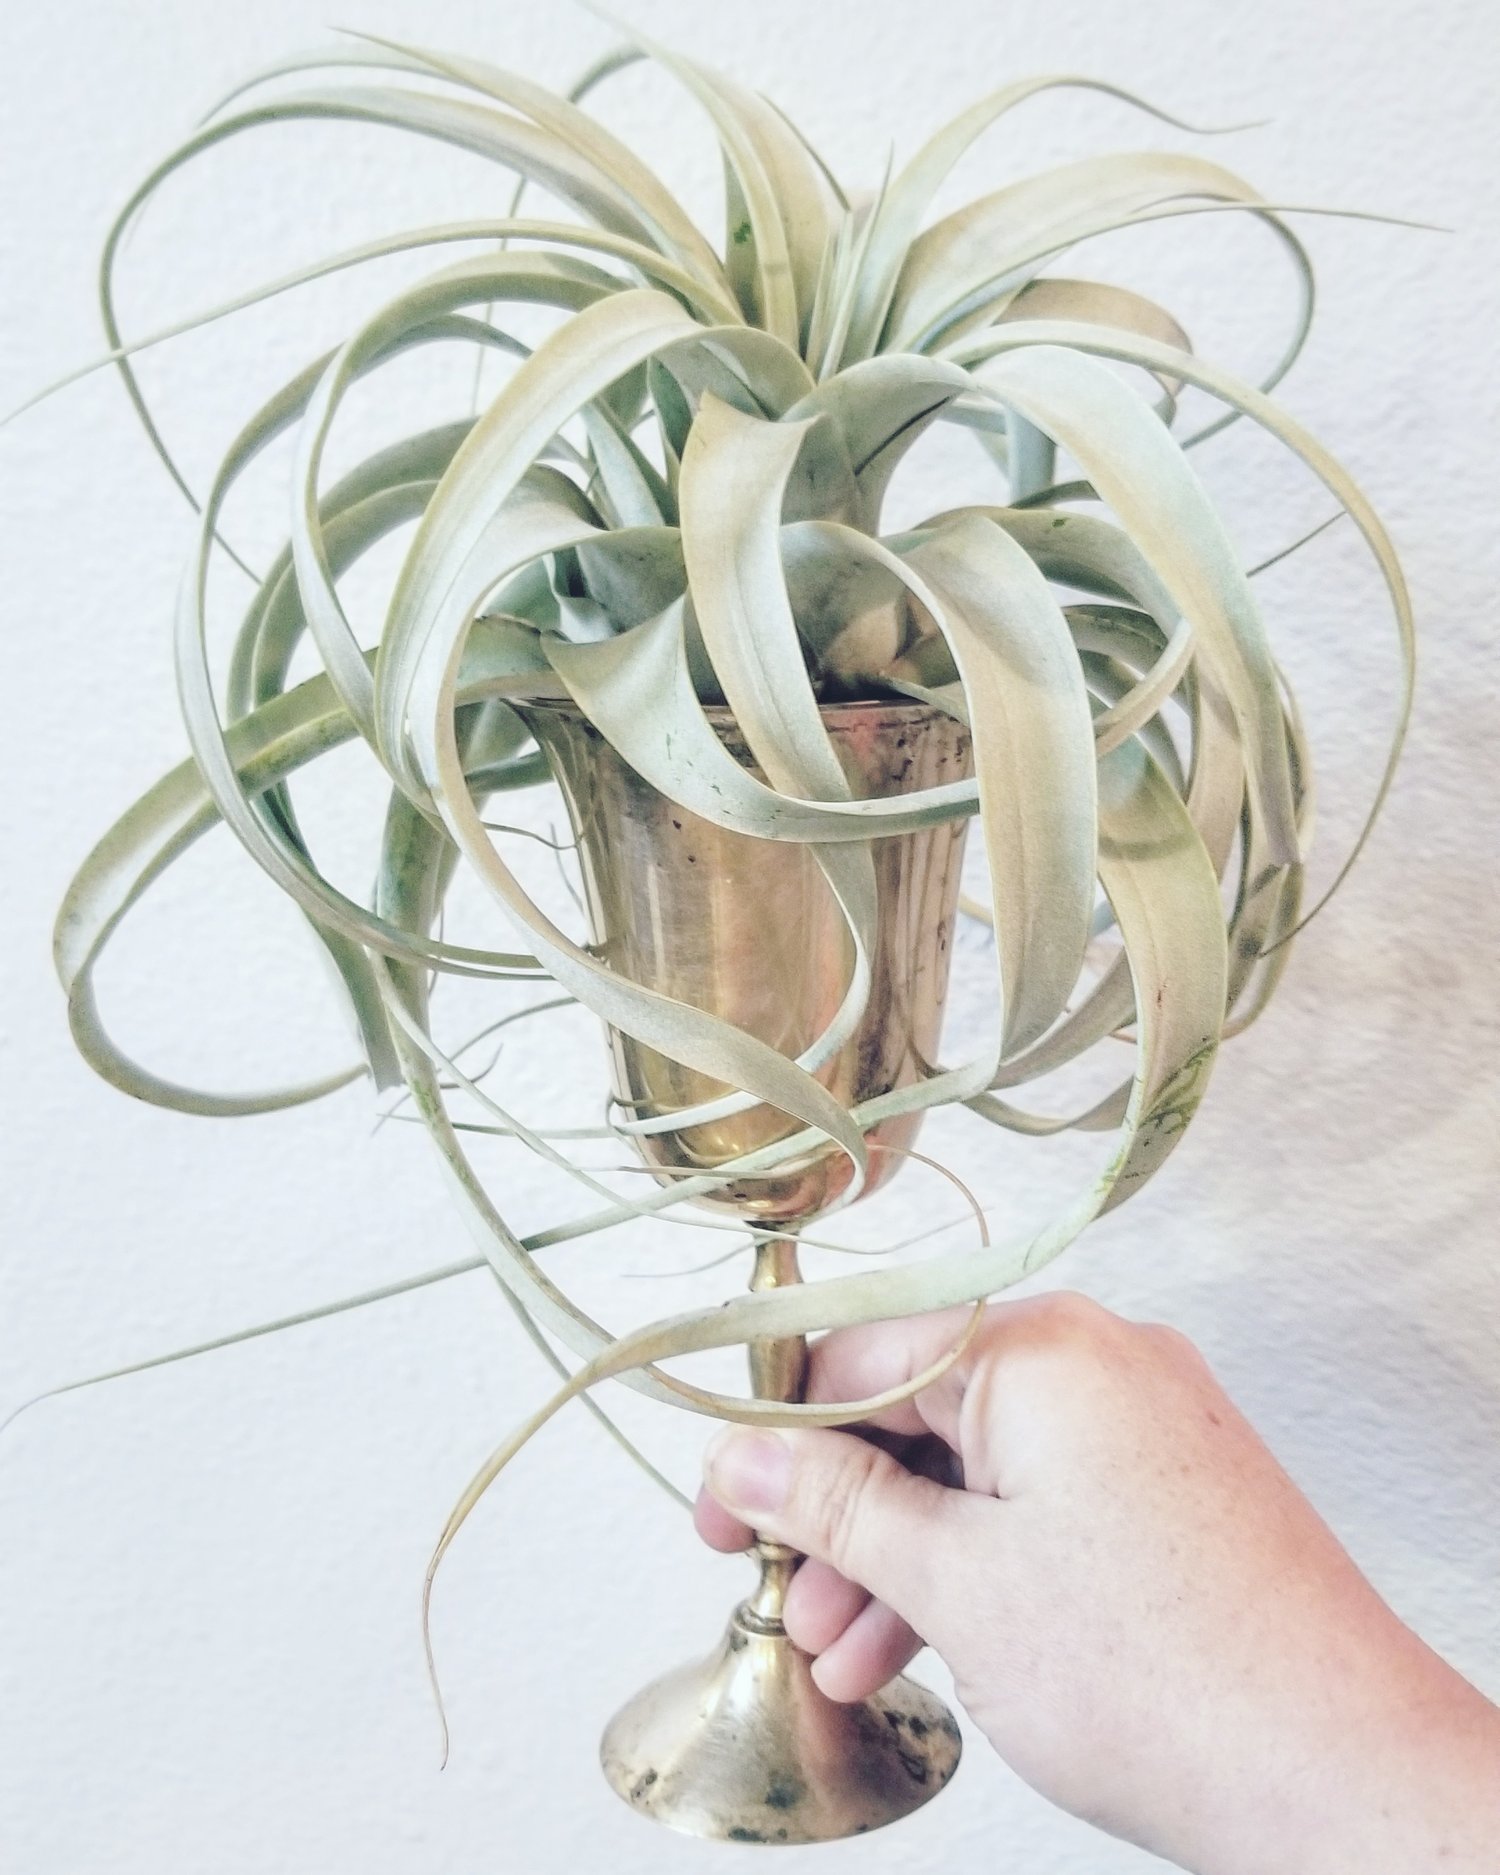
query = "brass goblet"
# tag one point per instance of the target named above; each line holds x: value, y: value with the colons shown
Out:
x: 743, y: 1746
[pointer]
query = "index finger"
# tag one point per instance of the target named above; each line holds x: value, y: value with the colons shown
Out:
x: 858, y: 1363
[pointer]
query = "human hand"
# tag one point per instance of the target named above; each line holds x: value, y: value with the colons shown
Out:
x: 1141, y: 1611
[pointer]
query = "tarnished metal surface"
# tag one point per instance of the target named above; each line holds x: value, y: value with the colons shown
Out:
x: 749, y: 930
x: 743, y: 1746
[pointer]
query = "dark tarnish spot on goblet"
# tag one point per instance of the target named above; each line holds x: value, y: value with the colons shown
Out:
x: 739, y: 1833
x: 872, y: 1048
x: 641, y: 1785
x: 784, y: 1793
x: 914, y: 1765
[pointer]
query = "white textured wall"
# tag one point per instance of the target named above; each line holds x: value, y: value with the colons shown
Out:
x: 208, y: 1602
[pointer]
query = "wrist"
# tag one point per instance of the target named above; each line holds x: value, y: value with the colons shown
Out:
x: 1427, y: 1778
x: 1392, y: 1770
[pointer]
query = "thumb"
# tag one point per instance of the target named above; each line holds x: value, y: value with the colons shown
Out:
x: 844, y: 1501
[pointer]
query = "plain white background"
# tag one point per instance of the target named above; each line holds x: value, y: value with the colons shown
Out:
x: 209, y: 1575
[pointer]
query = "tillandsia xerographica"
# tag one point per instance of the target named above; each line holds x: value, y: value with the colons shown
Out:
x: 673, y: 501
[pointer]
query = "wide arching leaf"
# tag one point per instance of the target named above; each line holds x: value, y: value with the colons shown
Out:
x: 673, y: 505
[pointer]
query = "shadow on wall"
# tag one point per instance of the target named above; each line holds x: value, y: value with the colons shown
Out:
x: 1353, y: 1302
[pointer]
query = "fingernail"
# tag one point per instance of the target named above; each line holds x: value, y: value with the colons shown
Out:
x: 748, y: 1471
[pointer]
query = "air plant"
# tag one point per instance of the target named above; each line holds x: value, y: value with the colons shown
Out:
x: 675, y: 501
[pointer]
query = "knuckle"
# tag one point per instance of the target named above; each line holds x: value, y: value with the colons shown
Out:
x: 1072, y: 1311
x: 995, y: 1330
x: 1175, y: 1352
x: 1074, y: 1354
x: 841, y: 1503
x: 1074, y: 1326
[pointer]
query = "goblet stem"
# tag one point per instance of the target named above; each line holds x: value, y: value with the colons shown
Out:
x: 778, y: 1371
x: 744, y: 1746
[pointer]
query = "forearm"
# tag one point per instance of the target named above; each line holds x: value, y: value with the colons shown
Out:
x: 1406, y: 1781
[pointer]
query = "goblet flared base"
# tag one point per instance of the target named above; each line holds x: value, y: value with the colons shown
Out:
x: 743, y: 1747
